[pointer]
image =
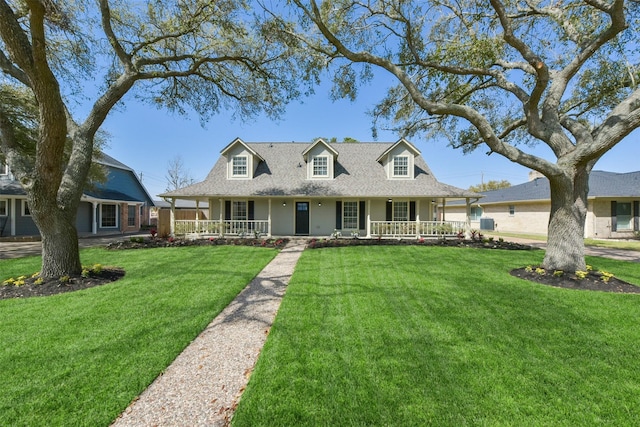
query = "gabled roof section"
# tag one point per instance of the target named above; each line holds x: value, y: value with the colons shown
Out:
x: 318, y: 142
x: 107, y: 160
x: 401, y: 141
x: 246, y: 147
x: 357, y: 174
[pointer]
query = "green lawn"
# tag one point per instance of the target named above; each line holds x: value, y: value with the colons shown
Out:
x: 444, y: 336
x: 78, y: 359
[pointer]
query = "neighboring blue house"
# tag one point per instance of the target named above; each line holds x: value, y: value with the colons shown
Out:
x: 120, y: 205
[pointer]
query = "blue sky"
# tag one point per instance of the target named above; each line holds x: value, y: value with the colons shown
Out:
x: 147, y: 139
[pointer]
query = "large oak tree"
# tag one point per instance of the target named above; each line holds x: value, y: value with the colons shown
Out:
x: 186, y: 55
x: 506, y: 74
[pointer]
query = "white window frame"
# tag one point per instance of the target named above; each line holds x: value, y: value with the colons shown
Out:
x: 400, y: 171
x: 349, y: 220
x: 4, y: 207
x: 396, y: 210
x: 4, y: 169
x: 317, y: 168
x: 102, y: 206
x: 131, y: 208
x: 475, y: 213
x: 236, y: 211
x: 25, y: 211
x: 624, y: 222
x: 240, y: 170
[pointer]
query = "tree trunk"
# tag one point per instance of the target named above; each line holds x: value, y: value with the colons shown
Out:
x: 60, y: 253
x: 565, y: 245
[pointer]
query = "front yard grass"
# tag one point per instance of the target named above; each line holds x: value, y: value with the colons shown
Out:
x: 79, y: 358
x: 444, y: 336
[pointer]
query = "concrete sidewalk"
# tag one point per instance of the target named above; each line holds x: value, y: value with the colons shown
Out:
x: 202, y: 386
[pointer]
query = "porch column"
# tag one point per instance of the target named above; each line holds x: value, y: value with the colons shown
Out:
x: 444, y: 203
x: 369, y: 218
x: 221, y: 217
x: 172, y: 218
x: 197, y: 216
x: 418, y: 218
x: 269, y: 220
x: 94, y: 218
x: 467, y: 222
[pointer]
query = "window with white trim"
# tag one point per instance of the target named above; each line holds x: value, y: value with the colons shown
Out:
x: 3, y: 207
x: 4, y: 169
x: 400, y: 166
x: 623, y: 216
x: 131, y: 215
x: 320, y: 166
x: 239, y: 211
x: 239, y: 166
x: 350, y: 215
x: 25, y: 209
x: 108, y: 216
x: 401, y: 211
x: 476, y: 213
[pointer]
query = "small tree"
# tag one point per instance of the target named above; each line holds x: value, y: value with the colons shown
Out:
x: 180, y: 54
x: 490, y: 185
x: 177, y: 175
x: 501, y: 74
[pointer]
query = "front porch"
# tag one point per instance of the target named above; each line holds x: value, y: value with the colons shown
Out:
x: 375, y: 229
x: 321, y: 217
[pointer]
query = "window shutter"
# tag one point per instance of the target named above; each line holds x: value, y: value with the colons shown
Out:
x: 338, y: 215
x: 636, y: 215
x: 614, y: 218
x: 389, y: 210
x: 362, y: 217
x: 250, y: 214
x: 412, y: 211
x: 227, y: 210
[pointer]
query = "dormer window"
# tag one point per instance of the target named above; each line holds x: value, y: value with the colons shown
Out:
x: 239, y: 166
x: 4, y: 169
x: 401, y: 166
x: 321, y: 166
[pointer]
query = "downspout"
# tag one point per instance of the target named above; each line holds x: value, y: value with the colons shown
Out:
x: 269, y: 220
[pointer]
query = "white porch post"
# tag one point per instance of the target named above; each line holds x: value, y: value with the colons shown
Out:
x: 444, y: 203
x: 172, y: 218
x: 269, y: 220
x: 94, y: 218
x: 369, y: 218
x: 221, y: 217
x: 467, y: 222
x: 197, y: 216
x: 418, y: 218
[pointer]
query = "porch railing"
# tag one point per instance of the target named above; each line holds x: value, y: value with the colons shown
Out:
x: 413, y: 228
x: 210, y: 227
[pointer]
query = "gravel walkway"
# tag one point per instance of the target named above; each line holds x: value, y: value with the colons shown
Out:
x: 202, y: 386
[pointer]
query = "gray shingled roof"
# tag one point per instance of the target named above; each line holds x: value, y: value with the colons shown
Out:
x: 284, y: 173
x: 601, y: 184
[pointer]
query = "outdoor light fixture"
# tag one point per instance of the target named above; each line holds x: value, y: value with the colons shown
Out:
x: 284, y: 203
x: 319, y: 204
x: 390, y: 200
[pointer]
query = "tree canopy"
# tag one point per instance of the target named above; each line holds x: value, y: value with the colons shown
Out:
x: 490, y: 185
x: 184, y: 55
x: 504, y: 75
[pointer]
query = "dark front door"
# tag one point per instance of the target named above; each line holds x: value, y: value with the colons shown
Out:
x: 302, y: 217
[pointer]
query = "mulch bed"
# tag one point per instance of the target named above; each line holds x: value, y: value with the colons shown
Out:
x: 592, y: 282
x: 55, y: 286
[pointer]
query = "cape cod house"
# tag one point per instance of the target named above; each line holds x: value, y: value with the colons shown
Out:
x: 120, y: 205
x: 320, y: 189
x: 613, y: 206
